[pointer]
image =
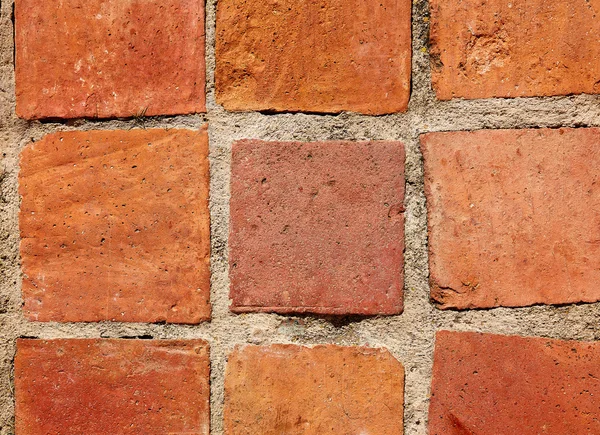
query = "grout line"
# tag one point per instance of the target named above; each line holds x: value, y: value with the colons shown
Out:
x: 408, y: 336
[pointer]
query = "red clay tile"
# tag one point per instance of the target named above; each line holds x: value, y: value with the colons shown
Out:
x: 514, y: 217
x: 314, y: 56
x: 491, y: 384
x: 96, y: 387
x: 101, y: 59
x: 317, y: 227
x: 286, y: 389
x: 498, y: 48
x: 115, y: 226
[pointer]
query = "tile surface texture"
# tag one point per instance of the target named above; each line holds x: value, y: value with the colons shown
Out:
x: 314, y: 56
x: 271, y: 390
x: 498, y: 48
x: 115, y: 226
x: 513, y: 216
x: 491, y: 384
x: 96, y: 386
x: 317, y: 227
x: 106, y: 59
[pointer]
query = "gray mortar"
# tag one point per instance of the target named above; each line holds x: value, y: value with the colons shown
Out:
x: 409, y: 337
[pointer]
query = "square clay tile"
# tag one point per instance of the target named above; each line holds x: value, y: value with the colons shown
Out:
x: 314, y: 56
x: 502, y: 48
x: 295, y: 390
x: 492, y: 384
x: 513, y: 217
x: 317, y: 227
x: 102, y: 387
x: 102, y: 59
x: 115, y: 226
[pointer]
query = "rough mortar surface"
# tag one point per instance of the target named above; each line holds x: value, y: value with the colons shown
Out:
x: 409, y: 336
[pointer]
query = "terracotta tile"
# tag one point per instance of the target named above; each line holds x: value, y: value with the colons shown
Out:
x: 115, y: 226
x: 326, y: 389
x: 491, y: 384
x: 112, y: 387
x: 513, y: 216
x: 317, y: 227
x: 497, y: 48
x: 314, y: 56
x: 102, y: 59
